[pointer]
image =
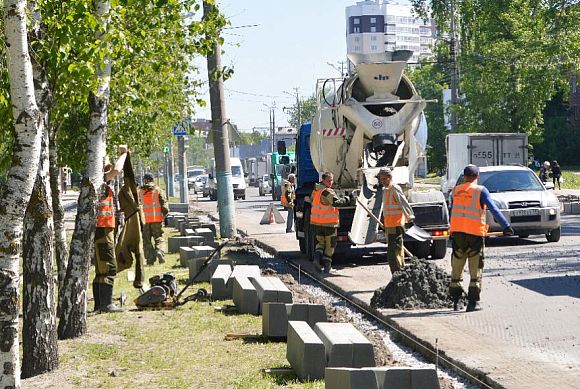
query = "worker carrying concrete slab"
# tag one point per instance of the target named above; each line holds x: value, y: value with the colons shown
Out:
x: 468, y: 229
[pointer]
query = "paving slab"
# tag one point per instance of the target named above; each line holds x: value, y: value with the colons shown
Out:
x: 305, y: 351
x: 349, y: 378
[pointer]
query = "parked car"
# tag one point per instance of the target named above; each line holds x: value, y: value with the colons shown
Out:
x: 200, y: 185
x: 264, y: 186
x: 192, y: 173
x: 522, y: 198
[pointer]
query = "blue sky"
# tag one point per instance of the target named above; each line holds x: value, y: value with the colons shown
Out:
x: 289, y: 48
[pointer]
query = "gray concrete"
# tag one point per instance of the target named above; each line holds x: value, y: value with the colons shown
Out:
x: 196, y: 264
x: 172, y: 219
x: 179, y: 207
x: 245, y: 296
x: 345, y: 345
x: 271, y: 290
x: 175, y: 242
x: 206, y: 233
x: 198, y: 257
x: 185, y: 254
x: 349, y: 378
x: 405, y: 378
x: 219, y: 282
x: 275, y: 317
x: 248, y: 271
x: 305, y: 351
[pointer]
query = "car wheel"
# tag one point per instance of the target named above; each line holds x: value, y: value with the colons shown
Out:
x: 438, y: 249
x: 554, y: 235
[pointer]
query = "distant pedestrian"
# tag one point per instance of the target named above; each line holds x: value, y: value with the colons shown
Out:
x: 545, y: 172
x: 287, y: 200
x: 155, y: 209
x: 556, y: 174
x: 468, y: 230
x: 65, y: 178
x: 397, y: 214
x: 325, y: 220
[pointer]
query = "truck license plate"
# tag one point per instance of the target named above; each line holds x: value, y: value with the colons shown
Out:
x: 525, y: 212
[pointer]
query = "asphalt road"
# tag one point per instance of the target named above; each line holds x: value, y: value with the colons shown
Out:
x: 527, y: 334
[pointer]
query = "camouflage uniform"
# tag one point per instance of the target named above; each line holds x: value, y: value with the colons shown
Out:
x: 154, y: 230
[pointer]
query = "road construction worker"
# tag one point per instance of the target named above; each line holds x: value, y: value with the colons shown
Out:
x: 155, y: 209
x: 397, y: 215
x: 324, y: 218
x: 287, y: 199
x: 105, y: 260
x: 468, y: 231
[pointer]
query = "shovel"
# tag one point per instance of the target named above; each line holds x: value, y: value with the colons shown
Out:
x: 383, y: 226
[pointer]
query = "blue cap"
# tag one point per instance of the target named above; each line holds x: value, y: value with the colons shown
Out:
x: 471, y: 171
x: 148, y: 177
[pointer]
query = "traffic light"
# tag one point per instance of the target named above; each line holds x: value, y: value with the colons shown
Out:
x: 166, y: 149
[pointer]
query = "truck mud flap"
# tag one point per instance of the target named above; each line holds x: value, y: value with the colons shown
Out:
x: 364, y: 228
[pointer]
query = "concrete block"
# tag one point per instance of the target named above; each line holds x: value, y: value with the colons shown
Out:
x: 175, y: 242
x: 245, y: 296
x: 275, y: 317
x: 424, y: 378
x: 211, y: 226
x: 349, y: 378
x: 248, y: 271
x: 196, y: 264
x: 406, y: 378
x: 206, y: 233
x: 185, y: 254
x: 345, y: 345
x: 305, y: 351
x: 173, y: 218
x: 271, y: 290
x: 189, y: 232
x: 219, y: 281
x: 575, y: 208
x: 179, y: 207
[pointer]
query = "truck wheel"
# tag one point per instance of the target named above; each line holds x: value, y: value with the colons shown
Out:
x: 438, y: 249
x: 419, y: 249
x: 554, y: 235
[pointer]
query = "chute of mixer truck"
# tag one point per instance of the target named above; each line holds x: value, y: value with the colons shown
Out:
x: 370, y: 119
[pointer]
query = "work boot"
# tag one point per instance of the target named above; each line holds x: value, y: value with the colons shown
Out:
x: 316, y: 261
x: 96, y: 297
x: 457, y: 306
x: 106, y: 294
x: 327, y: 265
x: 473, y: 306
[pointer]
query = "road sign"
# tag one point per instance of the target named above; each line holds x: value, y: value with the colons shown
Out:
x: 179, y: 129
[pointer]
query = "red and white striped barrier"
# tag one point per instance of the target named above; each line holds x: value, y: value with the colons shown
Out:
x: 333, y: 132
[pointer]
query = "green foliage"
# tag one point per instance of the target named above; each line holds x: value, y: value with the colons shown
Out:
x: 252, y: 138
x: 307, y: 111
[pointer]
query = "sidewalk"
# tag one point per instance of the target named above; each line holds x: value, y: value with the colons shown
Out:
x: 520, y: 340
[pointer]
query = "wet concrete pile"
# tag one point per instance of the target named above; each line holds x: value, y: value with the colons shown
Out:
x: 420, y: 285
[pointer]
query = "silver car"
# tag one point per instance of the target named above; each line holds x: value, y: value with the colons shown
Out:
x: 524, y: 201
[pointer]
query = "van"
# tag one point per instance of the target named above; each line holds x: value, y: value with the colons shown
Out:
x: 238, y: 180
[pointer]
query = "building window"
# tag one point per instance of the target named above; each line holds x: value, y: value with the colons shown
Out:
x: 373, y: 29
x: 356, y: 30
x: 357, y: 39
x: 373, y: 20
x: 357, y: 48
x: 373, y: 47
x: 373, y: 38
x: 356, y: 21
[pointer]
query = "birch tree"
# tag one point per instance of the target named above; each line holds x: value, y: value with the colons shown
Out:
x: 14, y: 196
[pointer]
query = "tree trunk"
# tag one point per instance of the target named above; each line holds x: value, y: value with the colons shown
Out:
x: 60, y: 242
x: 73, y: 310
x: 39, y: 342
x: 16, y: 194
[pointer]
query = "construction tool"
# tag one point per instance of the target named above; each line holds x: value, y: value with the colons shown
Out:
x: 163, y: 292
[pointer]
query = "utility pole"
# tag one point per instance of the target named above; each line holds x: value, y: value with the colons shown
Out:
x: 453, y: 68
x: 298, y: 107
x: 182, y: 166
x: 219, y: 129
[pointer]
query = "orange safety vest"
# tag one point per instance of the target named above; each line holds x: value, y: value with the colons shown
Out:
x: 151, y: 205
x: 283, y: 199
x: 106, y: 211
x: 322, y: 215
x: 467, y: 214
x: 393, y: 215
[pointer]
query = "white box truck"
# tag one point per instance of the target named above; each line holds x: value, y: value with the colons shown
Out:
x: 488, y: 149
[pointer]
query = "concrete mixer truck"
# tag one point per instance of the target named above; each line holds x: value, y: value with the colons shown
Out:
x: 368, y: 120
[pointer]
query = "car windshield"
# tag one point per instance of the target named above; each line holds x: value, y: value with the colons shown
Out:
x: 236, y: 171
x: 508, y: 181
x: 202, y: 179
x: 194, y: 173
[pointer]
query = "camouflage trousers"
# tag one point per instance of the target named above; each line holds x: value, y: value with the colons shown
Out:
x: 395, y: 250
x: 153, y: 251
x: 326, y: 242
x: 105, y: 261
x: 466, y: 247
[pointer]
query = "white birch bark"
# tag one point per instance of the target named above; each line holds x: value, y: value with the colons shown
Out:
x: 73, y: 310
x: 16, y: 194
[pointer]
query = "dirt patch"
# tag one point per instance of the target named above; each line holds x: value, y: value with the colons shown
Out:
x: 420, y: 285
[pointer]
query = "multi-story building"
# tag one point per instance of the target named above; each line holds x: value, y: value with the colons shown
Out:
x: 375, y: 26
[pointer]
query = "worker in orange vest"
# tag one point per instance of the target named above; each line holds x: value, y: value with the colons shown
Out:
x: 287, y: 199
x: 325, y: 219
x: 105, y: 260
x: 155, y: 209
x: 468, y: 230
x: 397, y: 215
